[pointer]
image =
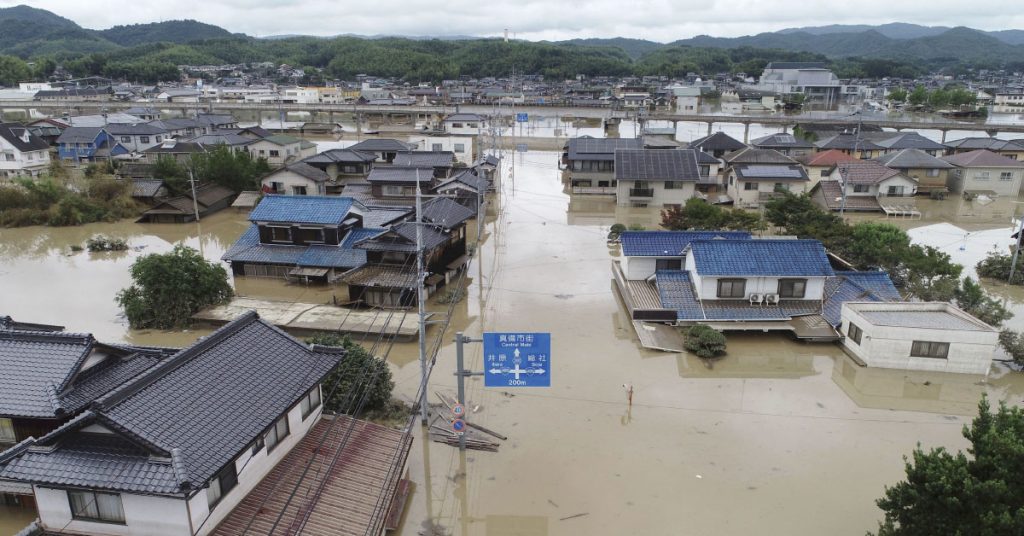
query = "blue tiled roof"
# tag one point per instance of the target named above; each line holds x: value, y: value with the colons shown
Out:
x: 676, y: 292
x: 856, y: 286
x: 660, y: 243
x: 249, y: 249
x: 325, y: 210
x: 770, y: 258
x: 343, y: 256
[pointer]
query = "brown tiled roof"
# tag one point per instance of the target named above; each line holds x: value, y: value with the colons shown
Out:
x: 826, y: 158
x: 865, y: 172
x: 981, y: 158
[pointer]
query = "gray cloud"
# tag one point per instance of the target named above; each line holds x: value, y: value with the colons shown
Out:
x: 659, y: 20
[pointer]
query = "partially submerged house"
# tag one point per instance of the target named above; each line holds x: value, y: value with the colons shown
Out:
x: 917, y: 336
x: 297, y: 178
x: 281, y: 149
x: 820, y: 165
x: 655, y: 177
x: 755, y: 175
x: 310, y: 238
x: 718, y: 144
x: 343, y: 164
x: 82, y: 145
x: 985, y: 172
x: 173, y: 451
x: 784, y: 143
x: 385, y: 149
x: 209, y: 198
x: 590, y: 163
x: 930, y: 172
x: 22, y: 153
x: 1012, y: 149
x: 869, y: 186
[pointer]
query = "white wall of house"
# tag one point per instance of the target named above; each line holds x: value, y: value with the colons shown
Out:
x: 148, y: 515
x: 640, y: 268
x: 278, y: 155
x: 970, y: 352
x: 900, y: 182
x: 138, y: 143
x: 661, y: 195
x: 466, y: 128
x: 1003, y: 181
x: 742, y: 197
x: 287, y: 182
x: 706, y: 287
x: 462, y: 146
x: 14, y: 162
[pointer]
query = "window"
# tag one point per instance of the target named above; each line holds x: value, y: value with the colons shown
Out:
x: 298, y: 190
x: 159, y: 139
x: 222, y: 483
x: 854, y: 333
x: 277, y: 187
x: 732, y: 288
x: 932, y: 173
x: 280, y: 234
x: 460, y: 147
x: 935, y: 350
x: 277, y: 432
x: 399, y: 190
x: 310, y: 402
x: 792, y: 288
x: 348, y: 169
x: 824, y: 173
x: 257, y: 445
x: 143, y: 139
x: 981, y: 176
x: 673, y: 185
x: 668, y: 264
x: 7, y: 431
x: 705, y: 171
x: 748, y: 186
x: 9, y: 157
x: 435, y: 147
x: 126, y: 139
x: 861, y: 188
x: 311, y: 235
x: 274, y: 153
x: 96, y: 506
x: 456, y: 125
x: 1006, y: 176
x: 895, y: 191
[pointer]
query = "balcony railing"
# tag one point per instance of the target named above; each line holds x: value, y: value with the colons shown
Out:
x: 641, y: 192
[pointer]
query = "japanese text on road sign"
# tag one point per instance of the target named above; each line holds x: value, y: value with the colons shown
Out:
x: 517, y: 359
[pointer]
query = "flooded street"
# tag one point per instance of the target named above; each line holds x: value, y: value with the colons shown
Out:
x: 777, y: 437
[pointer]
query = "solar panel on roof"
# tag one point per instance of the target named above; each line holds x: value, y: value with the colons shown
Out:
x: 785, y: 138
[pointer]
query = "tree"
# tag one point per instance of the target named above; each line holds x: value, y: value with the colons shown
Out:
x: 235, y: 170
x: 972, y: 298
x: 174, y: 175
x: 698, y: 214
x: 1013, y: 343
x: 359, y: 374
x: 704, y: 341
x: 927, y: 274
x: 997, y: 266
x: 167, y: 289
x: 918, y: 97
x: 897, y: 95
x: 956, y: 494
x: 877, y: 245
x: 13, y: 70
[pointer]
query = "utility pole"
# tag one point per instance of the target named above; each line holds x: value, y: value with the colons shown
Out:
x: 1016, y: 251
x: 420, y: 302
x: 195, y: 202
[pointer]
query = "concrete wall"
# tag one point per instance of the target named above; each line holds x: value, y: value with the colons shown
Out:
x: 676, y: 196
x: 290, y: 179
x: 970, y: 352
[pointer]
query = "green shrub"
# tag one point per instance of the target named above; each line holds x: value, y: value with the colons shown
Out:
x: 359, y: 374
x: 704, y: 341
x: 997, y: 266
x: 105, y: 243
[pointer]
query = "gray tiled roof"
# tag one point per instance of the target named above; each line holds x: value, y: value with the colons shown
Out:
x: 771, y: 172
x: 410, y: 175
x: 425, y: 159
x: 982, y: 158
x: 402, y: 237
x: 200, y: 408
x: 910, y: 318
x: 913, y: 159
x: 772, y: 141
x: 445, y: 212
x: 34, y: 366
x: 757, y: 156
x: 376, y: 145
x: 719, y: 141
x: 656, y: 165
x: 103, y: 378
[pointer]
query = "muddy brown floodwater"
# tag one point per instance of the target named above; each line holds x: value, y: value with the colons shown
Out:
x: 778, y: 437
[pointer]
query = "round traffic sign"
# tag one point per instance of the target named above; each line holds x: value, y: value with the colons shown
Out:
x: 458, y: 410
x: 458, y: 426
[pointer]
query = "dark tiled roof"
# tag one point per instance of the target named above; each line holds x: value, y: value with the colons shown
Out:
x: 770, y: 172
x: 103, y: 378
x: 913, y: 159
x: 402, y: 237
x: 146, y: 187
x: 770, y: 258
x: 410, y: 175
x: 911, y: 140
x: 982, y: 158
x: 341, y: 156
x: 656, y: 165
x: 468, y: 178
x: 992, y: 144
x: 848, y: 142
x: 129, y: 129
x: 380, y: 145
x: 464, y: 117
x: 856, y: 286
x: 676, y: 292
x: 79, y: 135
x: 669, y: 243
x: 445, y: 213
x: 200, y: 408
x: 324, y: 210
x: 422, y: 159
x: 599, y: 148
x: 788, y: 141
x: 13, y: 134
x: 719, y: 141
x: 757, y: 156
x: 217, y: 138
x: 303, y: 170
x: 35, y: 366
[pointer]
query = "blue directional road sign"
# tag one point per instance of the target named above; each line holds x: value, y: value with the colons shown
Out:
x: 522, y: 117
x: 517, y: 359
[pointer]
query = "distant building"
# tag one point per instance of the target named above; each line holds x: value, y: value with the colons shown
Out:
x: 22, y: 153
x: 812, y: 79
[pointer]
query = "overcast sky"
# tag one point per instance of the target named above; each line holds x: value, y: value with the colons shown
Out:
x: 658, y: 20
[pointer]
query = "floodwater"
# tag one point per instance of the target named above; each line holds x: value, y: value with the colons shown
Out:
x: 777, y: 437
x: 13, y: 519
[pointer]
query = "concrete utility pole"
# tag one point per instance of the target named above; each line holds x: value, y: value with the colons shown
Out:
x: 421, y: 302
x: 195, y: 202
x: 1016, y: 251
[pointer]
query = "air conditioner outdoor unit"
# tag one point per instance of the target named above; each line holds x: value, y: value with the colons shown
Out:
x: 755, y: 299
x: 772, y: 299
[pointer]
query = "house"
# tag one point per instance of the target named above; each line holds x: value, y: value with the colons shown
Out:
x: 80, y: 145
x: 442, y: 162
x: 281, y: 149
x: 307, y: 237
x: 388, y: 279
x: 385, y: 149
x: 663, y: 178
x: 856, y: 145
x: 487, y: 167
x: 209, y: 198
x: 148, y: 191
x: 298, y: 178
x: 931, y: 173
x: 784, y: 143
x: 180, y: 151
x: 144, y: 112
x: 754, y: 175
x: 173, y: 451
x: 1010, y: 149
x: 137, y: 137
x: 911, y: 140
x: 22, y: 153
x: 929, y: 336
x: 647, y: 252
x: 462, y: 147
x: 590, y: 163
x: 466, y: 187
x: 342, y: 166
x: 400, y: 182
x: 867, y: 185
x: 820, y: 165
x: 983, y: 171
x: 464, y: 123
x: 717, y: 144
x: 231, y: 140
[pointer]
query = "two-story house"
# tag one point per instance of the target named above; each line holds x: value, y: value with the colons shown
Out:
x: 281, y: 149
x: 394, y: 182
x: 856, y: 145
x: 79, y: 145
x: 863, y: 185
x: 1013, y: 149
x: 22, y: 153
x: 298, y: 178
x: 385, y: 149
x: 662, y: 178
x: 173, y: 451
x: 462, y: 147
x: 820, y: 165
x: 590, y: 163
x: 717, y: 145
x: 311, y: 238
x: 911, y: 140
x: 464, y: 123
x: 983, y: 171
x: 930, y: 172
x: 784, y: 143
x: 755, y: 175
x: 342, y: 165
x: 137, y: 137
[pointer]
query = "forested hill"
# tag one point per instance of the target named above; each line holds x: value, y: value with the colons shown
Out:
x: 152, y: 52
